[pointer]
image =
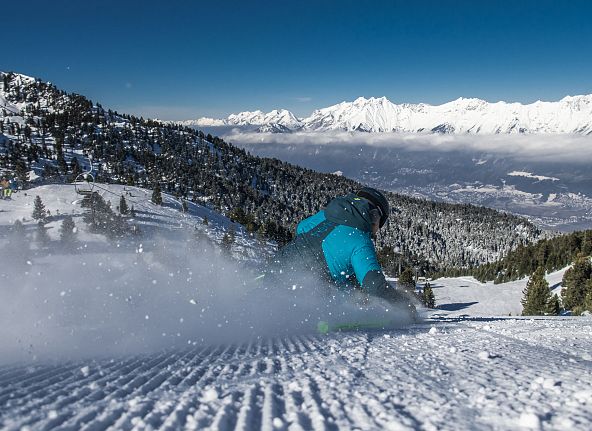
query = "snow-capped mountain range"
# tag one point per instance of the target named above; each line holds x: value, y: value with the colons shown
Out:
x: 572, y: 114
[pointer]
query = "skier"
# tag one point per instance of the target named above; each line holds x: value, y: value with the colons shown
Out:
x: 336, y: 243
x: 4, y: 188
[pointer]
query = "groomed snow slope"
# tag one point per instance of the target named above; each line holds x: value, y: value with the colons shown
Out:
x: 467, y: 296
x: 448, y: 375
x: 113, y: 337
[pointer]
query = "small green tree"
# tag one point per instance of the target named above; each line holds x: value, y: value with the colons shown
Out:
x: 68, y: 230
x: 228, y: 239
x: 587, y: 243
x: 428, y: 298
x: 574, y: 282
x: 587, y: 306
x: 407, y: 280
x: 536, y: 294
x: 157, y: 195
x: 75, y: 168
x: 205, y: 221
x: 42, y: 236
x: 39, y: 211
x: 554, y: 306
x: 123, y: 209
x: 22, y: 173
x: 18, y: 229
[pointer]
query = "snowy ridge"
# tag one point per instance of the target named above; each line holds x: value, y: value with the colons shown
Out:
x: 63, y: 200
x: 572, y: 114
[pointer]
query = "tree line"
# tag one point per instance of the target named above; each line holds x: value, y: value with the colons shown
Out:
x: 58, y: 134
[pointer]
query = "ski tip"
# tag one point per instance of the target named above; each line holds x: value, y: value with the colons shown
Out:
x: 323, y: 327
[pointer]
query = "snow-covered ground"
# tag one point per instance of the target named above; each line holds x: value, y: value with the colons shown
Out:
x: 444, y: 375
x: 63, y: 199
x: 157, y: 333
x: 467, y: 296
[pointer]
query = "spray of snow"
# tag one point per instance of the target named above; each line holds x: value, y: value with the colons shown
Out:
x: 170, y: 292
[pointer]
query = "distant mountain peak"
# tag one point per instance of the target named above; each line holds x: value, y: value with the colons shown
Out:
x: 465, y: 115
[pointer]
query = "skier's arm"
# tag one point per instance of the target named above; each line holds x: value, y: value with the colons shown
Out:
x: 368, y: 271
x: 310, y: 222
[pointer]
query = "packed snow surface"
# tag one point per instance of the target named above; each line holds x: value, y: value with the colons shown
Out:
x: 164, y: 332
x: 450, y: 374
x: 467, y: 296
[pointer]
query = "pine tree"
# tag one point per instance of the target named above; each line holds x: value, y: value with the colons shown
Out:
x: 42, y: 236
x: 587, y: 243
x: 228, y: 239
x: 407, y: 280
x: 22, y: 173
x: 429, y: 300
x: 133, y: 212
x: 205, y: 221
x: 157, y: 195
x: 574, y: 282
x: 554, y: 306
x: 75, y: 168
x: 18, y: 229
x: 39, y: 211
x: 588, y: 297
x: 537, y: 295
x: 123, y: 209
x: 68, y: 230
x: 62, y: 164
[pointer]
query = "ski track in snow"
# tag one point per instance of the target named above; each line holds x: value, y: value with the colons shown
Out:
x: 447, y: 373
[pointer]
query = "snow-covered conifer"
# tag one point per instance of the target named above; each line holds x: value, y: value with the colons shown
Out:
x: 42, y: 236
x: 574, y: 282
x: 157, y: 195
x: 537, y: 295
x: 407, y: 280
x: 429, y: 300
x: 68, y: 230
x: 123, y: 209
x: 39, y: 211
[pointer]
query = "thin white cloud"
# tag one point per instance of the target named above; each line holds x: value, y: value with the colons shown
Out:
x: 541, y: 147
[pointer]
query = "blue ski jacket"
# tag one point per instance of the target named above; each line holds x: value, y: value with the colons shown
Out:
x: 336, y: 242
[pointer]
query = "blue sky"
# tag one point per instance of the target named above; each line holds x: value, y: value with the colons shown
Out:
x: 185, y: 59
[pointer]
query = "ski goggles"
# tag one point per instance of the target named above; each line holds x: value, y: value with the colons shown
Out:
x: 375, y: 214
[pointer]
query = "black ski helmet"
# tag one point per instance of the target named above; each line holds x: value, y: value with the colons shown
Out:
x: 377, y: 199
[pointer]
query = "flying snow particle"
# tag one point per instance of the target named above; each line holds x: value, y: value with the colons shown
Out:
x: 484, y: 355
x: 192, y: 301
x: 530, y: 420
x: 433, y: 330
x: 277, y: 422
x: 85, y: 371
x: 209, y: 395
